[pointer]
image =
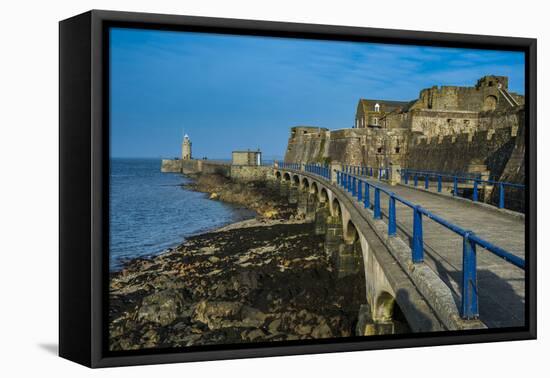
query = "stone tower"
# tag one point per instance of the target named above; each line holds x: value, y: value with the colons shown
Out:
x: 186, y: 148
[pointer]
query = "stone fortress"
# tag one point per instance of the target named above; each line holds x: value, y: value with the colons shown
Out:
x: 449, y: 129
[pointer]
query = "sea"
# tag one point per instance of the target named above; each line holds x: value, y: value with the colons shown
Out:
x: 151, y: 212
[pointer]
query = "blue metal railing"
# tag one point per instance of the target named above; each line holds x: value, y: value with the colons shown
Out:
x: 321, y: 170
x: 469, y: 307
x: 283, y: 165
x: 458, y: 178
x: 318, y: 169
x: 361, y: 189
x: 363, y: 170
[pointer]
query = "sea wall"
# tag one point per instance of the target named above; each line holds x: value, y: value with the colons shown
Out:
x: 222, y: 168
x: 171, y: 166
x: 250, y: 172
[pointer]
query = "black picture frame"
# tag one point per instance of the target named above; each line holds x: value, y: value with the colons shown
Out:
x: 84, y: 168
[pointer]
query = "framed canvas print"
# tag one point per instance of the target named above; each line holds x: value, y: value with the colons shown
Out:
x: 234, y: 188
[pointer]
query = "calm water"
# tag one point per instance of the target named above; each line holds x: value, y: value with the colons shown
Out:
x: 150, y: 212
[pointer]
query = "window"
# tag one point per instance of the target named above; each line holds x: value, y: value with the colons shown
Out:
x: 377, y: 107
x: 375, y: 121
x: 397, y: 149
x: 379, y: 150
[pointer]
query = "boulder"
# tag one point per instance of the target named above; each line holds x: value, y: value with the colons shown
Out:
x: 273, y: 327
x: 215, y: 314
x: 162, y: 307
x: 252, y: 317
x: 322, y: 331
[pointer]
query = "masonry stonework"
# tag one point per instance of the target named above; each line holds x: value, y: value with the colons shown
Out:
x: 446, y: 129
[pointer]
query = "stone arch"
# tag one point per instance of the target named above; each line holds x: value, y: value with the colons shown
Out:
x: 383, y: 307
x: 323, y: 196
x: 278, y: 175
x: 286, y: 176
x: 314, y: 189
x: 351, y: 234
x: 296, y: 180
x: 305, y: 184
x: 490, y: 103
x: 335, y: 208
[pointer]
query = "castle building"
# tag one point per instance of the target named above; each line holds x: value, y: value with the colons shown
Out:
x: 186, y: 148
x: 371, y: 112
x: 447, y: 128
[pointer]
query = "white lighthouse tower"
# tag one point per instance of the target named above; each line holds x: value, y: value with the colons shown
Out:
x: 186, y: 148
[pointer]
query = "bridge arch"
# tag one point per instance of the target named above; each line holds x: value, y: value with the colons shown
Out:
x: 286, y: 176
x: 323, y: 196
x: 278, y: 175
x: 314, y: 189
x: 351, y: 235
x: 383, y: 307
x: 296, y: 180
x: 335, y: 209
x: 305, y: 184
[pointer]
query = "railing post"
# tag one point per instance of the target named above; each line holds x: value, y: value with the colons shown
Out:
x: 475, y: 194
x: 367, y: 195
x: 439, y: 184
x: 415, y: 180
x: 359, y: 190
x: 455, y: 186
x: 418, y: 240
x: 377, y: 212
x: 338, y: 178
x: 371, y: 172
x: 427, y: 181
x: 406, y: 178
x: 469, y: 279
x: 391, y: 217
x: 501, y: 196
x: 353, y: 186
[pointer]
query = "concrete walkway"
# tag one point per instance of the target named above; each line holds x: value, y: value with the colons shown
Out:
x: 501, y: 286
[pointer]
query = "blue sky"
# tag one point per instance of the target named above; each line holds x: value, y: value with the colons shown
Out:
x: 239, y: 92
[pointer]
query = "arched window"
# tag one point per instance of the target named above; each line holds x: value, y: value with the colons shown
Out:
x: 377, y: 107
x: 375, y: 121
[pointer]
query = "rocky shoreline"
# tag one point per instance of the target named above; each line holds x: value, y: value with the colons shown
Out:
x: 260, y: 280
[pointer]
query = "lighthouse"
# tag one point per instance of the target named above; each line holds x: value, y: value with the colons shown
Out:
x: 186, y: 148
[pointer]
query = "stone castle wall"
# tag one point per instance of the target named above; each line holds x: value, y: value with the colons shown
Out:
x: 454, y: 153
x: 450, y: 142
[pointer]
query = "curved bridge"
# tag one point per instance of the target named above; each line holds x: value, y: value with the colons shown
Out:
x: 378, y: 236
